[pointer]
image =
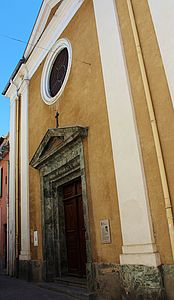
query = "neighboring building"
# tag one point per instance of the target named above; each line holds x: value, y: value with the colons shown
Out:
x: 91, y: 190
x: 4, y: 167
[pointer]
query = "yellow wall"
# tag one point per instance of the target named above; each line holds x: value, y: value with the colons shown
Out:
x: 82, y: 103
x: 163, y: 111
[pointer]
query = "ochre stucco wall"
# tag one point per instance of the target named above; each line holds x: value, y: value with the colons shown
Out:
x: 163, y: 111
x: 82, y: 103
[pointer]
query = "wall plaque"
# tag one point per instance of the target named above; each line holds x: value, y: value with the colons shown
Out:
x: 105, y: 231
x: 35, y: 239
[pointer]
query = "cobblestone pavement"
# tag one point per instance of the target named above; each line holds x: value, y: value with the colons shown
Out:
x: 16, y: 289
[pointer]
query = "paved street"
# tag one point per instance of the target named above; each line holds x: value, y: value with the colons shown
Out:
x: 16, y: 289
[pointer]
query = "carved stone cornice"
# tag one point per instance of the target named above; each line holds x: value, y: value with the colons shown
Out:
x: 54, y: 142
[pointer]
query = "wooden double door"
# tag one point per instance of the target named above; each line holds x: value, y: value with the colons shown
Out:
x: 75, y: 229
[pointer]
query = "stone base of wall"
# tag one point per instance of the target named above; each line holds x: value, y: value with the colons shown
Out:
x: 36, y: 270
x: 23, y: 269
x: 141, y: 282
x: 116, y: 282
x: 31, y: 270
x: 133, y: 282
x: 2, y: 263
x: 107, y: 281
x: 168, y: 278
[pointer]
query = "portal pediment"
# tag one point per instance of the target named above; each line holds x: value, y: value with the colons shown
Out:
x: 54, y: 141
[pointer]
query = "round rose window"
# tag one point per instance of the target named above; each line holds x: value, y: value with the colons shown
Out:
x: 56, y: 71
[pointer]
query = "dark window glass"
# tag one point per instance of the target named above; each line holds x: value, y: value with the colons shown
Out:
x: 58, y: 72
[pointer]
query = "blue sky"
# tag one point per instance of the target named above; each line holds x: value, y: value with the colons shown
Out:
x: 17, y: 18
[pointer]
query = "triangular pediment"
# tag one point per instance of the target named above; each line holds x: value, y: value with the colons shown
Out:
x: 51, y: 145
x: 55, y: 140
x: 47, y: 11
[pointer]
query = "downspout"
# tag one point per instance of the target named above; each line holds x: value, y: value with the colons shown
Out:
x: 17, y: 182
x: 163, y: 176
x: 17, y: 185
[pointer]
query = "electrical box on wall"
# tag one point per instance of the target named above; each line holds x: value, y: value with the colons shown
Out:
x: 105, y: 231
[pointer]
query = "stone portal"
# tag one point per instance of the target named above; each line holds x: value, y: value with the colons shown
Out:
x: 66, y: 238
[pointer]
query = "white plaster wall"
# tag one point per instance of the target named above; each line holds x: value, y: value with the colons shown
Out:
x: 135, y: 215
x: 25, y: 222
x: 129, y: 171
x: 162, y: 12
x: 11, y: 225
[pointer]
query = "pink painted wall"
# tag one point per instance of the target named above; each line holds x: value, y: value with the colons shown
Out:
x: 3, y: 211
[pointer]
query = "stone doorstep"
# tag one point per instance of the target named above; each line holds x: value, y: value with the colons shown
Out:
x: 73, y: 291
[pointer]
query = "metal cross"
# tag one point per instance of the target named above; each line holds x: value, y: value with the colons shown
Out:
x: 57, y: 119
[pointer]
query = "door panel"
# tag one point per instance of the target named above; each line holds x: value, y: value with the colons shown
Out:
x: 75, y: 229
x: 71, y: 226
x: 82, y: 236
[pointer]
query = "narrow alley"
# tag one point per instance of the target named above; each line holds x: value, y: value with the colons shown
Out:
x: 16, y: 289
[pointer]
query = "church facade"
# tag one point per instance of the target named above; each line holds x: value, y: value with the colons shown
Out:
x: 91, y: 191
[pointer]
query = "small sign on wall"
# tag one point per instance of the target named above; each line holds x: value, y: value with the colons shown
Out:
x: 35, y: 239
x: 105, y: 231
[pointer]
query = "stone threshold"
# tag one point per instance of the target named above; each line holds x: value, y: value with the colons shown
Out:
x: 72, y: 281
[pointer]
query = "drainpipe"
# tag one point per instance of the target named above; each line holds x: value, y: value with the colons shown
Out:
x: 17, y: 182
x: 17, y: 185
x: 163, y: 176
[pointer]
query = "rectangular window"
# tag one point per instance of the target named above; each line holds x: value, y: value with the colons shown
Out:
x: 1, y: 180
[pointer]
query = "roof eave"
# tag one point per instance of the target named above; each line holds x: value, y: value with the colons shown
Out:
x: 21, y: 61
